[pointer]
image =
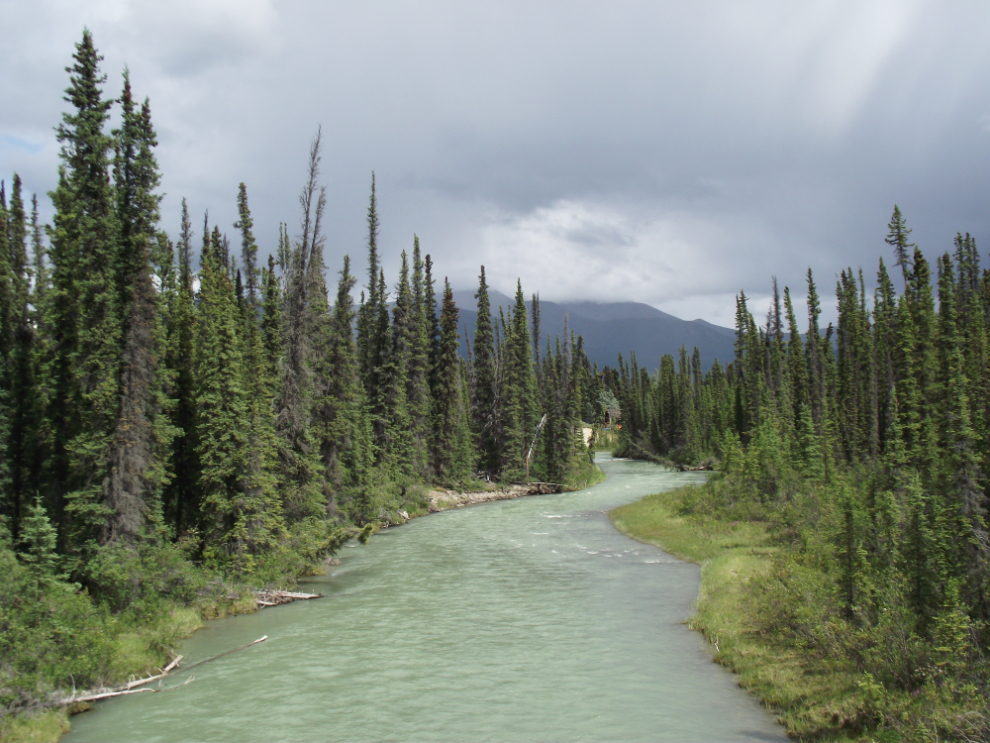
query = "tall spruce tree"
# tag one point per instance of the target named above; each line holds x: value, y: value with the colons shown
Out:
x: 345, y: 439
x: 18, y: 390
x: 485, y: 412
x: 83, y: 312
x: 241, y: 515
x: 249, y: 248
x: 519, y: 390
x: 368, y: 342
x: 182, y: 495
x: 418, y: 399
x: 136, y: 477
x: 451, y: 461
x: 404, y: 449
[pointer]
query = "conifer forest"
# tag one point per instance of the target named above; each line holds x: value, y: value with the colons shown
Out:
x: 861, y: 447
x: 169, y: 430
x: 181, y: 422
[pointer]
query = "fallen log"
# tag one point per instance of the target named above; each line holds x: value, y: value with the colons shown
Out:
x: 118, y: 692
x: 164, y: 672
x: 242, y: 647
x: 103, y: 695
x: 130, y: 686
x: 271, y: 597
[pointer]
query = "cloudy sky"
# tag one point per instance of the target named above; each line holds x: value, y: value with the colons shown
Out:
x: 671, y: 153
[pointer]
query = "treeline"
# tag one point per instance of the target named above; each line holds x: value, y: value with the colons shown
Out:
x: 159, y: 419
x: 864, y: 447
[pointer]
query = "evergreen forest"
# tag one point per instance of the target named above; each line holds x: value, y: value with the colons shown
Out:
x: 861, y: 449
x: 181, y: 423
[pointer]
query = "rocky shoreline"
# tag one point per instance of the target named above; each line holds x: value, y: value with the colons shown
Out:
x: 441, y: 500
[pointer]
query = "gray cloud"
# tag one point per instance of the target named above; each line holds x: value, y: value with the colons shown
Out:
x: 670, y: 153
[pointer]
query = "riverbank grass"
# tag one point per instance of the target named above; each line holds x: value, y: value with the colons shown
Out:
x: 44, y: 726
x: 812, y: 698
x: 583, y: 474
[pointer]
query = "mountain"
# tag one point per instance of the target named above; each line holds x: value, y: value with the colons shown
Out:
x: 611, y: 328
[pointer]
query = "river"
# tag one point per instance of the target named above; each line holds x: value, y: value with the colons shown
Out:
x: 522, y: 620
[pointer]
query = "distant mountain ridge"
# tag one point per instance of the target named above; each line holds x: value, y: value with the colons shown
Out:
x: 611, y: 328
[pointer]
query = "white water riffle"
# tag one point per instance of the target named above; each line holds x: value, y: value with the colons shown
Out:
x: 523, y: 620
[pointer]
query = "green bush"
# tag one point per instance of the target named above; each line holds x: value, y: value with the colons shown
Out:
x: 143, y: 581
x: 51, y: 636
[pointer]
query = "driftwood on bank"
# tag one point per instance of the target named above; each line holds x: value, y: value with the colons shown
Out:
x: 441, y: 500
x: 131, y: 686
x: 270, y: 597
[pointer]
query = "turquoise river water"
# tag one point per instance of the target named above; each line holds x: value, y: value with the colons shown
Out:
x: 522, y: 620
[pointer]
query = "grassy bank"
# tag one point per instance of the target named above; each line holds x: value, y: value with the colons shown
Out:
x: 71, y: 635
x: 732, y: 556
x: 748, y: 580
x: 583, y: 473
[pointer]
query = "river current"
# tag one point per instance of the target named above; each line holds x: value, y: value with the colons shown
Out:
x: 522, y: 620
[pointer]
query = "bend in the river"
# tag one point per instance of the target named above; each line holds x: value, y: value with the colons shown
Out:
x: 522, y: 620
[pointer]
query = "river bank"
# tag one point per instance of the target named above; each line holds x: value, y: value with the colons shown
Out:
x: 731, y: 556
x: 747, y: 580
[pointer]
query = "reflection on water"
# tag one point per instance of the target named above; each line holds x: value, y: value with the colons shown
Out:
x: 520, y: 620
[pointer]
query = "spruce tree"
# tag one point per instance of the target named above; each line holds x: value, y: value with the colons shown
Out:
x: 885, y: 349
x: 83, y: 313
x: 486, y: 412
x: 814, y: 352
x: 965, y: 504
x: 519, y: 390
x: 249, y: 248
x: 182, y: 495
x: 259, y: 523
x: 368, y: 342
x: 19, y: 399
x: 133, y: 492
x: 38, y: 543
x: 241, y: 514
x: 403, y: 448
x: 431, y: 321
x: 345, y: 440
x: 897, y: 237
x: 9, y: 502
x: 797, y: 368
x: 920, y: 336
x: 450, y: 422
x: 418, y: 398
x: 271, y: 320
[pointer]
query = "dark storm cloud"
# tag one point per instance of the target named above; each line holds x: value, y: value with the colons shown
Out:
x: 672, y: 153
